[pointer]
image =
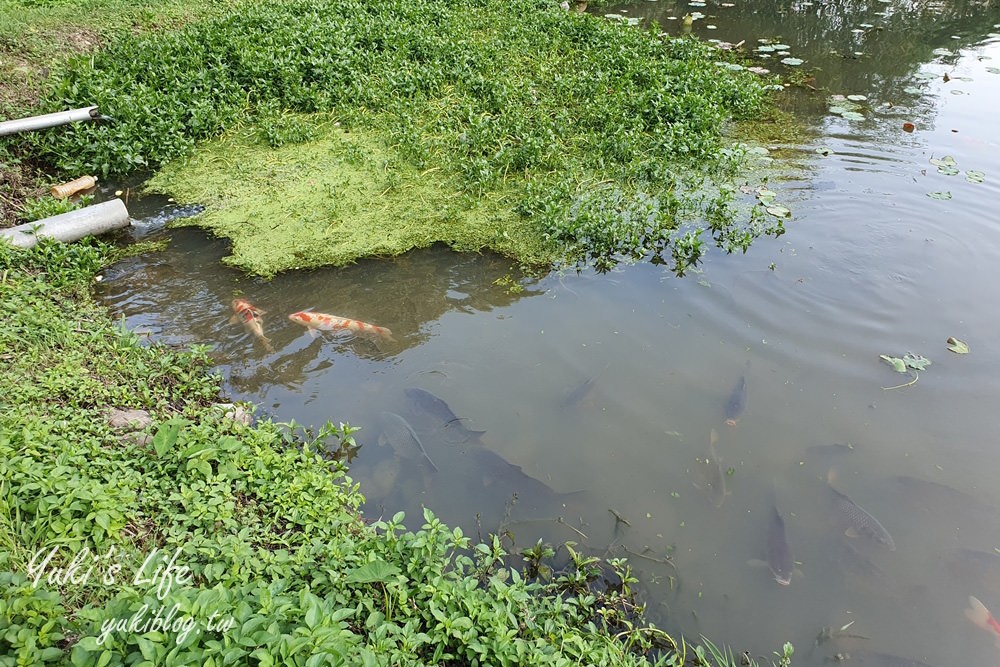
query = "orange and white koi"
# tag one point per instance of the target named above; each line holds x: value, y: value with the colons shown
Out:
x: 322, y: 322
x: 250, y: 315
x: 981, y: 616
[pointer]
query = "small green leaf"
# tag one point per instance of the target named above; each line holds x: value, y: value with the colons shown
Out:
x: 898, y: 364
x: 778, y: 211
x: 939, y: 195
x: 916, y: 361
x: 792, y: 62
x: 957, y: 346
x: 974, y: 176
x: 166, y: 436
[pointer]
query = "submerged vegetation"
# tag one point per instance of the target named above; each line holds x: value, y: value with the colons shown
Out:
x: 569, y: 135
x: 199, y: 539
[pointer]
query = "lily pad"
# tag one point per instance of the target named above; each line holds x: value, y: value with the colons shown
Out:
x: 792, y: 62
x: 939, y: 195
x: 948, y: 170
x: 838, y: 110
x: 898, y: 364
x: 824, y: 151
x: 766, y: 48
x: 943, y: 52
x: 857, y: 98
x: 852, y: 115
x: 947, y: 161
x: 973, y: 176
x: 781, y: 47
x: 913, y: 90
x: 778, y: 211
x: 957, y: 346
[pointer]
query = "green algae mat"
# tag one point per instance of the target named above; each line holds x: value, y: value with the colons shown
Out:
x: 339, y: 197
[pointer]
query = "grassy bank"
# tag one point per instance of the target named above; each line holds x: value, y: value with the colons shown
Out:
x: 513, y: 126
x: 245, y: 541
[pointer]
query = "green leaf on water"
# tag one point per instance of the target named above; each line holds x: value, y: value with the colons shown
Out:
x: 974, y: 176
x: 939, y: 195
x: 913, y: 90
x: 824, y: 151
x: 993, y: 70
x: 957, y: 346
x: 916, y: 361
x: 852, y: 115
x: 946, y: 161
x: 792, y: 61
x: 765, y: 195
x: 779, y: 211
x: 943, y: 52
x: 857, y: 98
x: 898, y: 364
x: 948, y: 170
x: 781, y: 47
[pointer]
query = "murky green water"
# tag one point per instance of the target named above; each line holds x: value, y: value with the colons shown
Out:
x: 870, y: 265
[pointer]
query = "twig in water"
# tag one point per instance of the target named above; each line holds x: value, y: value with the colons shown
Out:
x: 662, y: 561
x: 619, y: 518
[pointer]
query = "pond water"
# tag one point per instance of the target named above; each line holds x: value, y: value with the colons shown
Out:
x: 599, y: 393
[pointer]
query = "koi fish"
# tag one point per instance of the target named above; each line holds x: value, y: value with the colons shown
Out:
x: 981, y: 616
x: 250, y: 315
x: 321, y: 322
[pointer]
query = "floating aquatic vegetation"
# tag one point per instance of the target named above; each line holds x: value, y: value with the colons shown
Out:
x: 945, y: 195
x: 913, y: 90
x: 846, y: 107
x: 824, y: 151
x: 943, y: 52
x: 957, y: 346
x: 974, y: 176
x: 792, y: 62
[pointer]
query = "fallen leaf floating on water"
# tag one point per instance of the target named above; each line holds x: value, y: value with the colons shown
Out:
x: 898, y: 364
x: 909, y: 127
x: 974, y: 176
x: 957, y: 346
x: 939, y: 195
x: 909, y: 360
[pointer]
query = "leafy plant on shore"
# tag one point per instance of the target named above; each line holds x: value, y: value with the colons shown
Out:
x: 600, y: 133
x: 274, y: 564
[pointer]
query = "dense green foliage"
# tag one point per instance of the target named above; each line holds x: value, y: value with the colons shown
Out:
x: 599, y: 132
x: 270, y: 548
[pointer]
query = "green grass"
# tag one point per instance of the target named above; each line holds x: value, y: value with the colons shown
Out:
x: 263, y: 519
x: 593, y: 138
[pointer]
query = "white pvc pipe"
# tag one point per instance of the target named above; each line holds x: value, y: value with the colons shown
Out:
x: 72, y: 226
x: 48, y: 120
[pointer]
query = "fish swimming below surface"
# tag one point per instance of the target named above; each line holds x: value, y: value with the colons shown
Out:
x: 424, y: 401
x: 494, y: 469
x: 714, y: 477
x: 779, y: 554
x: 737, y: 402
x: 250, y: 316
x: 322, y: 322
x: 859, y: 522
x: 398, y: 434
x: 982, y: 618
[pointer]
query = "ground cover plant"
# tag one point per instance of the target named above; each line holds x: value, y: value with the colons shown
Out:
x: 574, y: 136
x: 199, y: 539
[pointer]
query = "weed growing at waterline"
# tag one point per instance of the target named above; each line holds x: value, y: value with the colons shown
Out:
x: 569, y: 119
x: 269, y: 561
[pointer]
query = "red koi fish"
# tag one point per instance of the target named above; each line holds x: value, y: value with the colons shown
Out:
x: 250, y: 315
x: 321, y: 322
x: 981, y: 616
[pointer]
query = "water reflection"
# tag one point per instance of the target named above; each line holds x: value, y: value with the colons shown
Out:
x: 598, y: 394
